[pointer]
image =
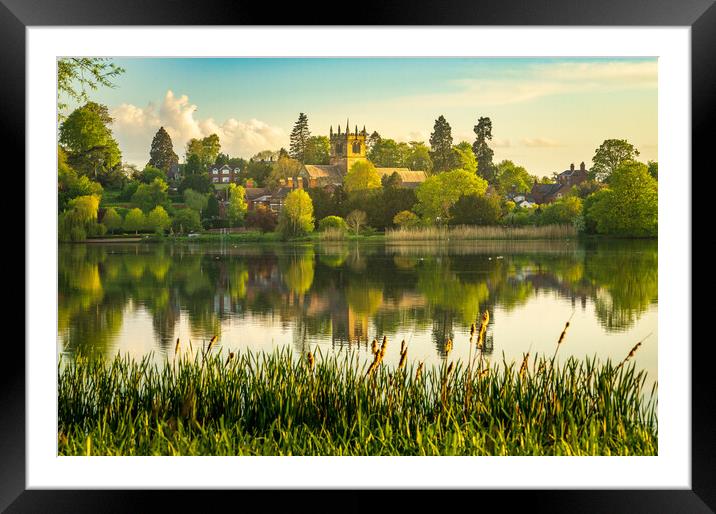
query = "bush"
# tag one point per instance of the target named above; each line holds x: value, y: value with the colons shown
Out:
x: 334, y: 222
x: 134, y: 221
x: 112, y: 220
x: 158, y: 220
x: 355, y: 220
x: 262, y: 218
x: 406, y: 219
x: 561, y: 212
x: 476, y: 209
x: 185, y: 221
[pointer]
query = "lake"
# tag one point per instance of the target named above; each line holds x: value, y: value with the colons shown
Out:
x: 137, y: 299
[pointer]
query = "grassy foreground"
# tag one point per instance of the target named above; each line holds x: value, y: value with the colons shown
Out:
x: 276, y: 404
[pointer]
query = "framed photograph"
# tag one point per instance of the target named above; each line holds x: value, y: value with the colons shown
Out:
x: 422, y: 251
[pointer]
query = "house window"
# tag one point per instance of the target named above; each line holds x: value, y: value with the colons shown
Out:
x: 216, y: 172
x: 225, y: 179
x: 215, y: 179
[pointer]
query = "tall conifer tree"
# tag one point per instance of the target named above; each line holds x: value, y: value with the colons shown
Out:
x: 161, y: 154
x: 483, y: 153
x: 299, y: 138
x: 441, y: 145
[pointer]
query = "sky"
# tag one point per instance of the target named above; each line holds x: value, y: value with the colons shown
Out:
x: 546, y: 113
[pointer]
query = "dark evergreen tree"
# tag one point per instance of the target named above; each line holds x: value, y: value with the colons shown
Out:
x: 441, y: 145
x: 299, y: 138
x: 483, y: 153
x: 161, y: 154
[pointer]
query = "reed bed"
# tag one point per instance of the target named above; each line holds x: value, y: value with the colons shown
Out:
x: 283, y: 404
x: 332, y: 234
x: 467, y: 232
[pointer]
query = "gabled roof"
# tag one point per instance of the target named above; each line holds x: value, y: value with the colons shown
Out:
x: 252, y: 193
x: 406, y: 175
x: 329, y: 172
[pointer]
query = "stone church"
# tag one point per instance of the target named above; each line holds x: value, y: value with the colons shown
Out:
x: 347, y: 148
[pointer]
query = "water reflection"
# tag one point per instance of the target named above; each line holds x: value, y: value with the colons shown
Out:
x: 342, y: 293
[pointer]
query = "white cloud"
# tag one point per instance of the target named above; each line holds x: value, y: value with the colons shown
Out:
x: 134, y: 128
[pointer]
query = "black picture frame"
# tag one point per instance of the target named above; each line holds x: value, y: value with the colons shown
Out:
x: 700, y: 15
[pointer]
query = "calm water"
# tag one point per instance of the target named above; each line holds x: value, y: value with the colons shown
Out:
x: 138, y: 299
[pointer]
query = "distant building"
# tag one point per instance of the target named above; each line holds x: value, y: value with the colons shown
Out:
x: 566, y: 180
x: 348, y: 148
x: 224, y: 174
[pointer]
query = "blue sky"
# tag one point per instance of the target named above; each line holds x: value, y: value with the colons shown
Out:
x: 546, y: 113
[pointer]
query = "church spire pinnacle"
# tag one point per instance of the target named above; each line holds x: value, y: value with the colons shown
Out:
x: 348, y: 128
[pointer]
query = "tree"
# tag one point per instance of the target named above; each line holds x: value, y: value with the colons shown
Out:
x: 355, y: 220
x: 419, y: 157
x: 195, y: 200
x: 333, y: 222
x: 438, y: 193
x: 206, y: 149
x: 158, y: 220
x: 464, y: 158
x: 609, y: 156
x: 296, y: 217
x: 134, y: 221
x: 324, y: 203
x: 200, y: 183
x: 236, y: 206
x: 387, y: 153
x: 112, y: 220
x: 441, y: 151
x: 161, y: 154
x: 75, y: 75
x: 653, y: 169
x: 371, y: 141
x: 476, y: 209
x: 193, y: 166
x: 148, y: 196
x: 185, y: 221
x: 562, y: 212
x: 483, y: 153
x: 284, y: 168
x: 299, y: 138
x: 629, y: 206
x: 361, y: 176
x: 91, y: 148
x: 318, y: 150
x: 80, y: 219
x: 512, y: 179
x: 71, y: 185
x: 262, y: 218
x: 406, y: 219
x: 149, y: 173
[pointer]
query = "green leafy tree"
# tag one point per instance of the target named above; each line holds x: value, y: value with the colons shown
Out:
x: 76, y: 75
x: 300, y: 136
x: 193, y: 166
x: 71, y: 185
x: 387, y: 153
x: 419, y: 157
x: 334, y: 222
x: 318, y: 150
x: 324, y: 202
x: 441, y: 151
x: 653, y: 169
x: 609, y: 156
x: 440, y: 192
x: 483, y: 153
x: 91, y: 148
x: 629, y: 206
x: 236, y: 206
x: 135, y: 221
x: 406, y: 219
x: 158, y: 220
x: 371, y: 141
x: 355, y: 220
x: 476, y: 209
x: 185, y: 221
x: 112, y: 220
x: 148, y: 196
x: 195, y: 200
x: 512, y: 179
x: 283, y: 168
x: 80, y: 219
x: 212, y: 207
x: 200, y: 183
x: 361, y: 176
x: 464, y: 158
x: 296, y: 217
x: 258, y: 172
x: 562, y: 212
x: 149, y: 173
x: 161, y: 154
x: 206, y: 149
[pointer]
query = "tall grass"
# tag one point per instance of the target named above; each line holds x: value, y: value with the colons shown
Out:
x: 332, y: 234
x: 282, y: 404
x: 478, y: 232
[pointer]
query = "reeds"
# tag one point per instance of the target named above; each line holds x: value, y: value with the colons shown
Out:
x: 278, y: 404
x: 478, y: 232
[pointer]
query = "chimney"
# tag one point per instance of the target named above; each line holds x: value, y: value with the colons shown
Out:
x: 289, y: 181
x: 581, y: 167
x: 571, y: 167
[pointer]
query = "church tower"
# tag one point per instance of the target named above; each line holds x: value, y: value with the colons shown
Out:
x: 347, y: 148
